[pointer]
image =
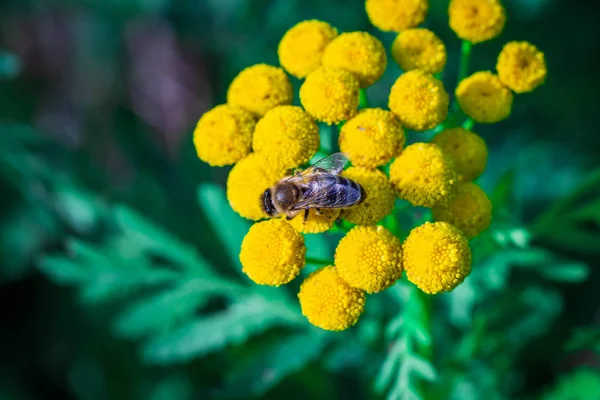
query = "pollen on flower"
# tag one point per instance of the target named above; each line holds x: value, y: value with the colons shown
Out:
x: 396, y: 15
x: 369, y: 258
x: 521, y: 66
x: 436, y: 257
x: 359, y: 53
x: 419, y: 100
x: 259, y: 88
x: 476, y: 20
x: 315, y: 222
x: 379, y: 196
x: 328, y: 302
x: 419, y: 48
x: 423, y: 175
x: 372, y: 138
x: 466, y: 149
x: 246, y: 182
x: 286, y: 137
x: 330, y: 95
x: 483, y: 97
x: 470, y: 210
x: 223, y: 135
x: 273, y: 253
x: 301, y: 48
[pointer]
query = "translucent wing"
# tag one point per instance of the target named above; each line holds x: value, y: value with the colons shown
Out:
x: 333, y: 164
x: 326, y: 191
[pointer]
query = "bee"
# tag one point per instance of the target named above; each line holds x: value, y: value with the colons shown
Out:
x: 320, y: 186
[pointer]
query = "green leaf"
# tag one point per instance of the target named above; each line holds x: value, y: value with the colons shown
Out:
x: 274, y: 363
x: 581, y: 384
x: 161, y: 311
x: 10, y: 65
x: 176, y: 387
x: 229, y: 226
x: 63, y: 271
x: 420, y: 366
x: 158, y: 240
x: 571, y: 272
x: 232, y: 326
x: 585, y: 338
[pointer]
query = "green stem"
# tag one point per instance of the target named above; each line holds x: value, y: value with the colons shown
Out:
x: 318, y: 261
x: 468, y: 124
x: 363, y: 100
x: 463, y: 68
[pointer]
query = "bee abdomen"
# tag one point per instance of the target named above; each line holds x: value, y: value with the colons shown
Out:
x: 348, y: 192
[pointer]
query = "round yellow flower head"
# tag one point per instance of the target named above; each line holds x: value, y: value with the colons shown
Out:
x: 436, y: 257
x: 328, y: 302
x: 396, y: 15
x: 521, y: 66
x: 470, y: 210
x: 246, y: 183
x: 423, y: 175
x: 466, y: 149
x: 369, y: 258
x: 419, y: 48
x: 379, y: 196
x: 286, y: 137
x: 272, y: 253
x: 484, y: 98
x: 476, y: 20
x: 301, y: 48
x: 419, y: 100
x: 315, y: 222
x: 223, y: 135
x: 259, y: 88
x: 359, y: 53
x: 372, y: 138
x: 330, y: 95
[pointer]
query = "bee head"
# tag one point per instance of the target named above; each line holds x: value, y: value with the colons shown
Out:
x: 267, y: 203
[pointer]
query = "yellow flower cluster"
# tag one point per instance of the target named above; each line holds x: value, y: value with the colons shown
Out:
x: 270, y: 142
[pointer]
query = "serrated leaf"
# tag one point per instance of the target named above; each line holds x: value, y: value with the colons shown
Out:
x: 161, y: 311
x: 63, y: 271
x: 158, y: 240
x: 284, y: 357
x: 421, y: 367
x: 202, y: 336
x: 572, y: 272
x: 229, y: 227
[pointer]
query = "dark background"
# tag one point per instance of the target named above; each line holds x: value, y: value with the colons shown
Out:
x: 110, y: 91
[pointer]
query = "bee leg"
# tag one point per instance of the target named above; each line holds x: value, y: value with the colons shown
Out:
x: 318, y: 210
x: 305, y: 214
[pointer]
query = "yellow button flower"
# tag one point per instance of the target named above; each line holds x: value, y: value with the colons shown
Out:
x: 369, y: 258
x: 419, y: 100
x: 466, y: 149
x: 359, y: 53
x: 223, y: 135
x: 379, y: 196
x: 246, y: 183
x: 476, y: 20
x: 315, y: 222
x: 484, y: 98
x: 272, y: 253
x: 286, y: 137
x: 328, y: 302
x: 521, y: 66
x: 436, y: 257
x: 419, y: 48
x: 372, y: 138
x: 301, y: 48
x: 470, y: 210
x: 259, y: 88
x: 396, y: 15
x: 330, y: 95
x: 423, y: 175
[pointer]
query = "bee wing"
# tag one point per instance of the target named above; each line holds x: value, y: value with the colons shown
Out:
x: 333, y: 164
x: 326, y: 193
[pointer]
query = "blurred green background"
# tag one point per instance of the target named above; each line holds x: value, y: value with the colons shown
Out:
x: 118, y: 252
